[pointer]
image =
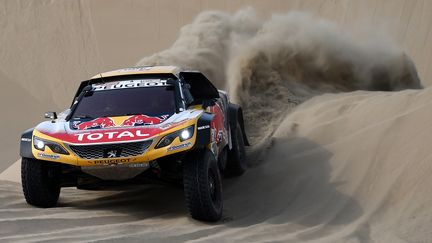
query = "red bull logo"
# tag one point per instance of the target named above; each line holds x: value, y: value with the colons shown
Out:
x: 217, y: 125
x: 102, y: 122
x: 107, y: 122
x: 140, y: 120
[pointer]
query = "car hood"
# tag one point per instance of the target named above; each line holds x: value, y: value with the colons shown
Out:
x: 114, y: 129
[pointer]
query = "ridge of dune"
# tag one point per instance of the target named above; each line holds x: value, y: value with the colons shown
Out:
x: 46, y: 49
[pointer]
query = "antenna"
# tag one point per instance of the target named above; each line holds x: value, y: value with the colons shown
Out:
x: 100, y: 74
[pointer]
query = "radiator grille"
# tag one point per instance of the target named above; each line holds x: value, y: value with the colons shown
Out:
x: 102, y: 150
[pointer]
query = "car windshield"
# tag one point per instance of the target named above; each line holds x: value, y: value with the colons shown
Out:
x: 151, y: 101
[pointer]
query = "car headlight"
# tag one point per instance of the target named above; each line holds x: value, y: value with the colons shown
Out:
x: 183, y: 135
x: 40, y: 144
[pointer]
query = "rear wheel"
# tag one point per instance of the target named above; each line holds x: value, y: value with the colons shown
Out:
x: 222, y: 159
x: 237, y: 163
x: 203, y: 186
x: 40, y: 182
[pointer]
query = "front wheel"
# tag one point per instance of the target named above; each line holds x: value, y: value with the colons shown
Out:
x: 40, y: 182
x: 203, y: 186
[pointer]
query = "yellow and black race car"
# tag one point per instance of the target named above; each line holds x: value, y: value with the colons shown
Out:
x: 138, y: 125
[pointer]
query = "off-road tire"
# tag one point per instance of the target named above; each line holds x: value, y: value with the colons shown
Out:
x: 40, y: 182
x: 223, y: 159
x: 203, y: 186
x: 237, y: 163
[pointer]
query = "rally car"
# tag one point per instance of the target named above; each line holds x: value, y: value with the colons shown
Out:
x: 139, y: 125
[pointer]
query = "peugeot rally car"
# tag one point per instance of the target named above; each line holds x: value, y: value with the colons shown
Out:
x: 138, y: 125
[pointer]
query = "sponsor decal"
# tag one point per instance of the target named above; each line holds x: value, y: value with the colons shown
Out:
x: 219, y: 132
x: 220, y: 136
x: 116, y: 135
x: 136, y: 83
x: 214, y: 149
x: 139, y: 165
x: 180, y: 146
x: 213, y: 134
x: 134, y: 69
x: 112, y: 161
x: 102, y: 122
x: 26, y: 139
x: 167, y: 126
x: 48, y: 156
x: 203, y: 127
x: 106, y: 136
x: 140, y: 120
x: 107, y: 122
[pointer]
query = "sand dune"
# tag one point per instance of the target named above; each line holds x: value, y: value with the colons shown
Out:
x: 46, y: 49
x: 378, y: 158
x: 352, y: 166
x: 330, y: 174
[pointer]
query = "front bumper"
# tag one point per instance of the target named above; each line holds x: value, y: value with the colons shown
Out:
x: 129, y: 152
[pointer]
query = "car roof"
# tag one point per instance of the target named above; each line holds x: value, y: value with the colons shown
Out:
x: 201, y: 87
x: 140, y: 70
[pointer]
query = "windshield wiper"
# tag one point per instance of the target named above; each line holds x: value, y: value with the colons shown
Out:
x: 127, y: 114
x: 83, y: 117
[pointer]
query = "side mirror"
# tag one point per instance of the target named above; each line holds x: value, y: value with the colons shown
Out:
x: 208, y: 103
x: 51, y: 115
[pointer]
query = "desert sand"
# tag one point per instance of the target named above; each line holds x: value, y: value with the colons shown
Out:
x: 336, y: 98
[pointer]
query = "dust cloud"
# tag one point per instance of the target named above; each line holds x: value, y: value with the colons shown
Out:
x: 269, y: 65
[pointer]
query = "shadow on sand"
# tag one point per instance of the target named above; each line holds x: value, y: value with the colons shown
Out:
x: 139, y: 202
x: 290, y: 186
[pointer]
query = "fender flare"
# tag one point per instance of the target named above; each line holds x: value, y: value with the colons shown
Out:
x: 235, y: 114
x: 26, y: 144
x: 203, y: 129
